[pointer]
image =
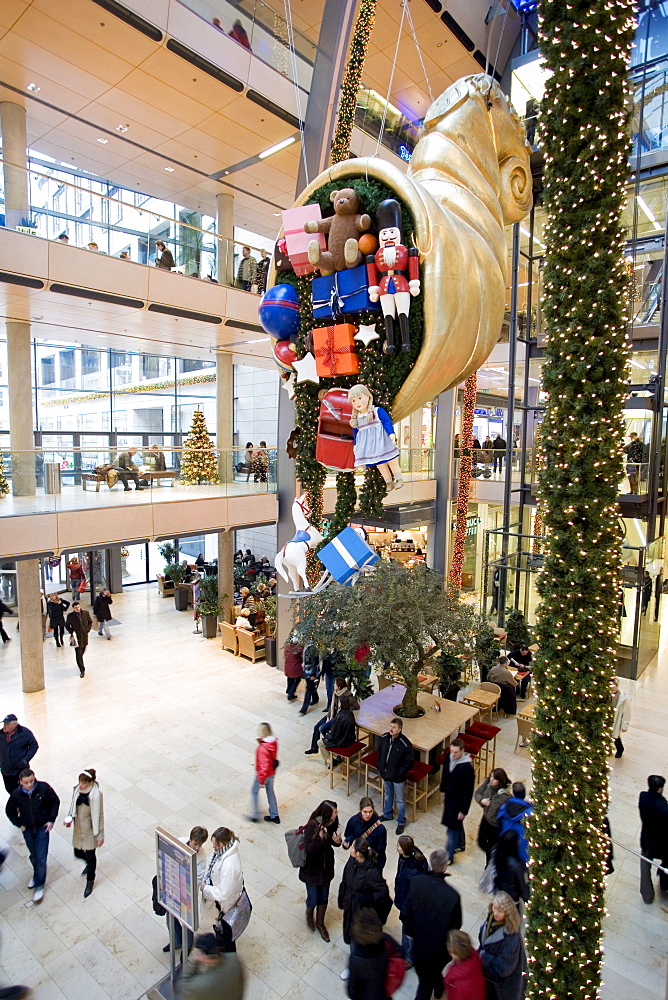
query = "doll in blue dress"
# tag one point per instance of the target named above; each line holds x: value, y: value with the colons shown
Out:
x: 373, y: 436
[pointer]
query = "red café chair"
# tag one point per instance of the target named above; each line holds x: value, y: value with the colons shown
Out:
x: 483, y: 731
x: 372, y: 781
x: 417, y: 786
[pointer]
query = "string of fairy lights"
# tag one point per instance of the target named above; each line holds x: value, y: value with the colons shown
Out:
x: 464, y: 487
x: 352, y: 80
x: 584, y: 134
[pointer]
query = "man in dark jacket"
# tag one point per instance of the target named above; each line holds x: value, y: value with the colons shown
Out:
x: 164, y: 259
x: 433, y: 909
x: 512, y: 815
x: 653, y: 835
x: 126, y: 468
x: 499, y: 450
x: 79, y: 623
x: 18, y: 746
x: 33, y: 807
x: 457, y: 783
x: 342, y: 731
x: 411, y: 862
x: 395, y: 759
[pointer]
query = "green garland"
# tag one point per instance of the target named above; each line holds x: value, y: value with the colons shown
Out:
x: 584, y: 131
x: 382, y: 374
x: 345, y: 120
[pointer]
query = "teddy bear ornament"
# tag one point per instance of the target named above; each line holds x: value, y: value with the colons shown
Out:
x: 343, y: 230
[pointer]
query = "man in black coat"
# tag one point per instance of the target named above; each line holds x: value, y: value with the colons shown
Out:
x: 433, y: 909
x: 18, y: 746
x: 457, y: 783
x: 653, y: 835
x: 395, y: 759
x: 79, y: 623
x: 33, y: 807
x: 499, y: 450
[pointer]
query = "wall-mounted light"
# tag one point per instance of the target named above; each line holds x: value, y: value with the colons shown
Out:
x: 122, y: 128
x: 33, y: 88
x: 103, y: 141
x: 170, y: 170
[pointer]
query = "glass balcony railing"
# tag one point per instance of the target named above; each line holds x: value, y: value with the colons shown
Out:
x: 197, y: 251
x: 491, y: 466
x: 263, y: 30
x: 57, y: 479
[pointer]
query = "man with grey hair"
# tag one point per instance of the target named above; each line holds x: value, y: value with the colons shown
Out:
x: 433, y: 909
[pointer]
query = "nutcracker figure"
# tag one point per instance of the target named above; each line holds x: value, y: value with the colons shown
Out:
x: 390, y: 263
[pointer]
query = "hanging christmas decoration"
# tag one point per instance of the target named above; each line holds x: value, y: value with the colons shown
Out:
x: 352, y: 81
x: 464, y: 487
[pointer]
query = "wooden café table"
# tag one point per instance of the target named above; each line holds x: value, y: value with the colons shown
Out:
x: 483, y: 700
x: 528, y: 712
x: 375, y: 713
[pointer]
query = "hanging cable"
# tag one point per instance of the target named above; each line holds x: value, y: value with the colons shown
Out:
x: 293, y: 58
x: 490, y: 68
x: 389, y: 88
x: 417, y: 46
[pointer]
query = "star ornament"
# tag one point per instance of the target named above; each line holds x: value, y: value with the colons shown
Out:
x: 366, y: 334
x: 306, y: 370
x: 289, y: 386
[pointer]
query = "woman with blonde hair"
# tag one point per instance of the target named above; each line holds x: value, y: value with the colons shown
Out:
x: 223, y: 883
x: 56, y: 606
x: 502, y: 950
x: 86, y: 816
x: 375, y: 442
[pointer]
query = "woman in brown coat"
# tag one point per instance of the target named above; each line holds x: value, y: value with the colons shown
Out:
x: 86, y: 816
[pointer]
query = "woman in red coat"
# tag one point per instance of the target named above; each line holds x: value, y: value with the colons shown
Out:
x: 463, y: 979
x: 292, y: 668
x: 266, y: 762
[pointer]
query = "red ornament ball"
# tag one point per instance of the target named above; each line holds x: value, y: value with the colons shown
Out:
x: 284, y: 355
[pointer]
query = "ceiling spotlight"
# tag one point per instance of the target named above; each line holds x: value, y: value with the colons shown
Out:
x: 276, y: 148
x: 122, y: 128
x: 170, y: 170
x: 33, y: 88
x: 103, y: 141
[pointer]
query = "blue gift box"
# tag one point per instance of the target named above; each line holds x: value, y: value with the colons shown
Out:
x: 341, y: 292
x: 346, y: 554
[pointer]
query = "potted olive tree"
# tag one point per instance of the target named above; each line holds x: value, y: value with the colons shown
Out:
x: 270, y: 651
x: 170, y: 554
x: 405, y: 616
x: 209, y: 606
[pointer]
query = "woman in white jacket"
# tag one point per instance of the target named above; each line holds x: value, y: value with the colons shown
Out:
x: 87, y: 816
x: 223, y: 883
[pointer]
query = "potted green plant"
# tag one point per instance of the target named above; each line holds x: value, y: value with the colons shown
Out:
x: 28, y: 225
x: 517, y: 631
x: 209, y: 606
x: 170, y: 554
x: 449, y: 668
x: 270, y: 650
x: 176, y: 572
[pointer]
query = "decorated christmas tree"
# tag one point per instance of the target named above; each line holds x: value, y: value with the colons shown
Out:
x: 199, y: 463
x: 4, y: 485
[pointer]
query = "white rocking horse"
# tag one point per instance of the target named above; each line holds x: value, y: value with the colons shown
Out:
x: 290, y: 562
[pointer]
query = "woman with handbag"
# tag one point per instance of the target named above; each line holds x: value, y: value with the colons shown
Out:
x: 86, y: 817
x: 317, y: 872
x: 77, y: 576
x: 222, y: 886
x: 366, y: 825
x: 266, y: 762
x: 55, y: 609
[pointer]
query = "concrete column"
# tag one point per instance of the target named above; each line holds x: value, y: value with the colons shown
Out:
x: 416, y: 440
x: 14, y: 144
x: 30, y: 618
x: 19, y: 381
x: 225, y: 415
x: 226, y: 572
x: 225, y: 229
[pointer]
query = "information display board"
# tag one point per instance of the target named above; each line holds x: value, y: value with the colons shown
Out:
x: 177, y: 878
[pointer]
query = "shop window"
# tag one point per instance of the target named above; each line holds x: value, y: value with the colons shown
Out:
x: 90, y: 362
x: 118, y: 359
x: 194, y: 366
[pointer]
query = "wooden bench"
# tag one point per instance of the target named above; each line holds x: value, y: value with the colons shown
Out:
x: 98, y: 479
x: 168, y: 476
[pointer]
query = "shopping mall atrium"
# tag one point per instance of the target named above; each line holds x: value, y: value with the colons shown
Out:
x: 362, y: 190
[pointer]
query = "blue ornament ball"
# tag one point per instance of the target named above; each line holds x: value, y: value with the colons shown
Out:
x: 279, y: 311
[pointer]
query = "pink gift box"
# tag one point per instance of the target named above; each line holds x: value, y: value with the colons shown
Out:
x: 297, y: 240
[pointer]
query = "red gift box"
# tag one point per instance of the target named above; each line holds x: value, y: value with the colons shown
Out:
x: 334, y: 443
x: 335, y: 350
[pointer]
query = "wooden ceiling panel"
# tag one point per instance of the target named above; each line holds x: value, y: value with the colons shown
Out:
x: 247, y: 143
x: 95, y: 25
x: 19, y: 76
x: 198, y: 86
x: 133, y: 107
x: 159, y: 94
x: 41, y: 64
x: 59, y: 39
x: 10, y: 12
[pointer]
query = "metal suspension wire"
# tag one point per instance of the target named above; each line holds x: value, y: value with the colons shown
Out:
x: 389, y: 87
x: 293, y: 59
x: 406, y: 4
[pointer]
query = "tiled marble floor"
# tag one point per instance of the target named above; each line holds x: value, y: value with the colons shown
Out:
x: 169, y: 721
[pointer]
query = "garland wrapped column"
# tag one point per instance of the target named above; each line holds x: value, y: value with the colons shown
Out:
x: 359, y: 45
x: 464, y: 489
x: 583, y: 124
